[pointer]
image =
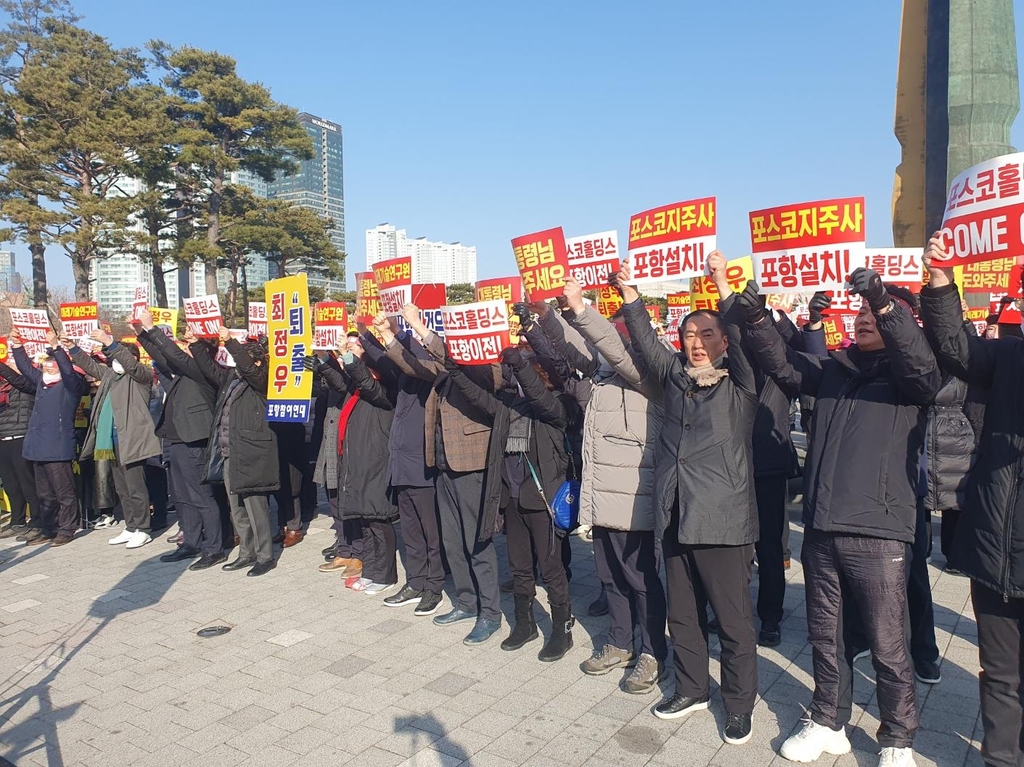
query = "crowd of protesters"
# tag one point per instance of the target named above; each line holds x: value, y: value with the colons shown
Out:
x: 683, y: 460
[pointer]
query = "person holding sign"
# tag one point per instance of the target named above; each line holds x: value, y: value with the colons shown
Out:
x: 990, y: 534
x: 860, y: 507
x: 50, y: 439
x: 242, y: 449
x: 704, y: 502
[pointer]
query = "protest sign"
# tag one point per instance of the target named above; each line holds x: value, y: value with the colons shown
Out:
x: 144, y: 357
x: 257, y: 319
x: 1001, y: 275
x: 608, y: 301
x: 394, y: 284
x: 654, y: 311
x: 592, y: 258
x: 290, y: 338
x: 984, y: 213
x: 140, y: 301
x: 672, y: 242
x: 331, y: 326
x: 507, y: 289
x: 168, y: 317
x: 32, y: 325
x: 223, y: 355
x: 1007, y: 307
x: 428, y: 298
x: 367, y: 298
x: 78, y: 321
x: 202, y: 316
x: 704, y: 294
x: 476, y: 333
x: 979, y: 318
x: 809, y: 246
x: 835, y: 332
x: 543, y: 263
x: 678, y: 307
x: 5, y: 351
x: 897, y: 266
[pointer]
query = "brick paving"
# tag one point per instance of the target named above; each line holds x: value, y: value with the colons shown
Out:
x: 101, y: 667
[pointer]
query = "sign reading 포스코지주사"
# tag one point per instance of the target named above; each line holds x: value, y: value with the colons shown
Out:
x: 290, y: 339
x: 672, y: 242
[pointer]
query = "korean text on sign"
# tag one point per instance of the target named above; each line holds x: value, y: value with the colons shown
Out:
x: 367, y: 298
x: 257, y: 319
x: 507, y: 289
x: 608, y: 301
x: 202, y: 316
x: 33, y: 326
x: 224, y: 356
x: 899, y: 266
x: 162, y: 316
x: 476, y: 333
x: 678, y: 307
x: 79, y: 320
x: 984, y: 212
x: 290, y: 337
x: 394, y: 284
x: 1000, y: 275
x: 139, y: 302
x: 811, y: 245
x: 428, y: 298
x: 592, y: 258
x: 672, y: 242
x: 330, y: 326
x: 704, y: 293
x: 543, y: 263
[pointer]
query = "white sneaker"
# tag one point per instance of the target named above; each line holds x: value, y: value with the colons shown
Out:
x: 377, y: 588
x: 123, y: 537
x: 896, y: 757
x: 813, y: 740
x: 138, y: 540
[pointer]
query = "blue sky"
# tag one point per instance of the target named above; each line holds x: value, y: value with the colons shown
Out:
x: 479, y: 121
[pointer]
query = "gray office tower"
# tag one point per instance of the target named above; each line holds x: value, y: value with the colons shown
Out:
x: 319, y: 185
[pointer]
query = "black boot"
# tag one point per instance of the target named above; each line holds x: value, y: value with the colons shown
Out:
x: 525, y: 629
x: 561, y: 634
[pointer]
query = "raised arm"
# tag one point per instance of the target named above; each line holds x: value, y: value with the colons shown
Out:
x: 913, y: 363
x: 254, y: 375
x: 657, y: 359
x: 741, y: 367
x: 213, y: 374
x: 370, y: 389
x: 178, y: 362
x: 155, y: 353
x: 15, y: 379
x: 133, y: 368
x: 89, y: 364
x: 545, y: 405
x: 481, y: 400
x: 73, y: 382
x: 567, y: 341
x: 25, y: 366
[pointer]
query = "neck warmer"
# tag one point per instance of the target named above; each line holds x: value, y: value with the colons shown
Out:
x: 706, y: 374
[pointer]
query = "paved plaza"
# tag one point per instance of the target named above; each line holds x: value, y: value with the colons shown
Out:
x: 101, y: 666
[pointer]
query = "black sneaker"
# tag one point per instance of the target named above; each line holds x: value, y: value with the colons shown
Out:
x: 927, y: 672
x: 407, y: 595
x: 770, y: 636
x: 679, y: 706
x: 428, y: 604
x: 737, y: 729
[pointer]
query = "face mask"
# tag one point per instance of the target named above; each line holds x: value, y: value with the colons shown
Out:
x: 117, y: 367
x: 51, y: 378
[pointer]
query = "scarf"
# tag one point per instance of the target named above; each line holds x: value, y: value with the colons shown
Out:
x: 104, y: 449
x: 346, y: 412
x: 520, y: 428
x: 706, y: 375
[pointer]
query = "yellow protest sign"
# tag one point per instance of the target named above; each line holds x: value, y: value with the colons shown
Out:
x: 290, y: 337
x: 163, y: 316
x: 704, y: 294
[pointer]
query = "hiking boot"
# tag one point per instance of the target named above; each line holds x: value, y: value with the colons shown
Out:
x: 646, y: 675
x: 607, y: 659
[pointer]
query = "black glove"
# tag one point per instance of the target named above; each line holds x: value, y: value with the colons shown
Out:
x: 817, y: 306
x: 512, y: 356
x: 868, y: 284
x: 613, y: 281
x: 752, y: 303
x: 311, y: 363
x: 522, y: 311
x: 450, y: 365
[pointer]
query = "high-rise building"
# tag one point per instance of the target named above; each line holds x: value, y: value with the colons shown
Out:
x: 319, y: 185
x: 448, y: 262
x: 9, y: 282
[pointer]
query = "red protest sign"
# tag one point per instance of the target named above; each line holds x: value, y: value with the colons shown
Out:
x: 508, y: 289
x: 202, y: 316
x: 897, y: 266
x: 257, y: 319
x: 140, y: 302
x: 79, y: 319
x: 678, y: 307
x: 672, y: 242
x: 394, y: 280
x: 592, y: 258
x: 476, y: 334
x: 331, y: 326
x: 367, y: 298
x: 1002, y: 275
x: 543, y: 263
x: 33, y: 326
x: 810, y: 245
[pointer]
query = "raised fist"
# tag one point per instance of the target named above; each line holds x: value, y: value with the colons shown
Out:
x: 752, y: 303
x: 868, y: 284
x: 820, y: 303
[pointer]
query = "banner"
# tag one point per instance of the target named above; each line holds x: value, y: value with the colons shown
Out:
x: 678, y: 307
x: 898, y: 266
x: 33, y: 326
x: 367, y: 298
x: 835, y: 332
x: 140, y: 301
x: 202, y: 316
x: 330, y: 327
x: 394, y: 284
x: 608, y: 301
x: 809, y: 246
x: 290, y: 385
x: 78, y: 320
x: 543, y: 263
x: 257, y: 319
x: 672, y: 242
x: 168, y: 317
x: 223, y: 356
x: 476, y: 334
x: 985, y: 212
x: 592, y: 258
x: 704, y: 294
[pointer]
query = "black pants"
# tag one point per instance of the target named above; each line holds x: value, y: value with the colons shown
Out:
x: 474, y: 563
x: 380, y: 560
x: 771, y: 571
x: 156, y: 487
x: 199, y: 515
x: 417, y: 508
x: 348, y: 533
x: 695, y: 576
x: 250, y: 514
x: 948, y: 530
x: 130, y: 486
x: 532, y: 540
x: 289, y: 497
x: 18, y: 479
x: 873, y: 572
x: 1000, y: 632
x: 58, y: 504
x: 923, y: 648
x: 627, y: 565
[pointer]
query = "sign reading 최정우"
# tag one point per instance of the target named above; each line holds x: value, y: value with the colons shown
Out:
x: 807, y: 246
x: 289, y: 384
x: 672, y: 242
x: 704, y: 293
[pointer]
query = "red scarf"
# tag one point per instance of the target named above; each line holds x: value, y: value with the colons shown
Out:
x: 346, y: 412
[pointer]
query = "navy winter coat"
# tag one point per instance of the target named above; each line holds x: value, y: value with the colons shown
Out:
x: 51, y: 428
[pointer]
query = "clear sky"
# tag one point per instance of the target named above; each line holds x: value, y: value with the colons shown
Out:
x: 479, y: 121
